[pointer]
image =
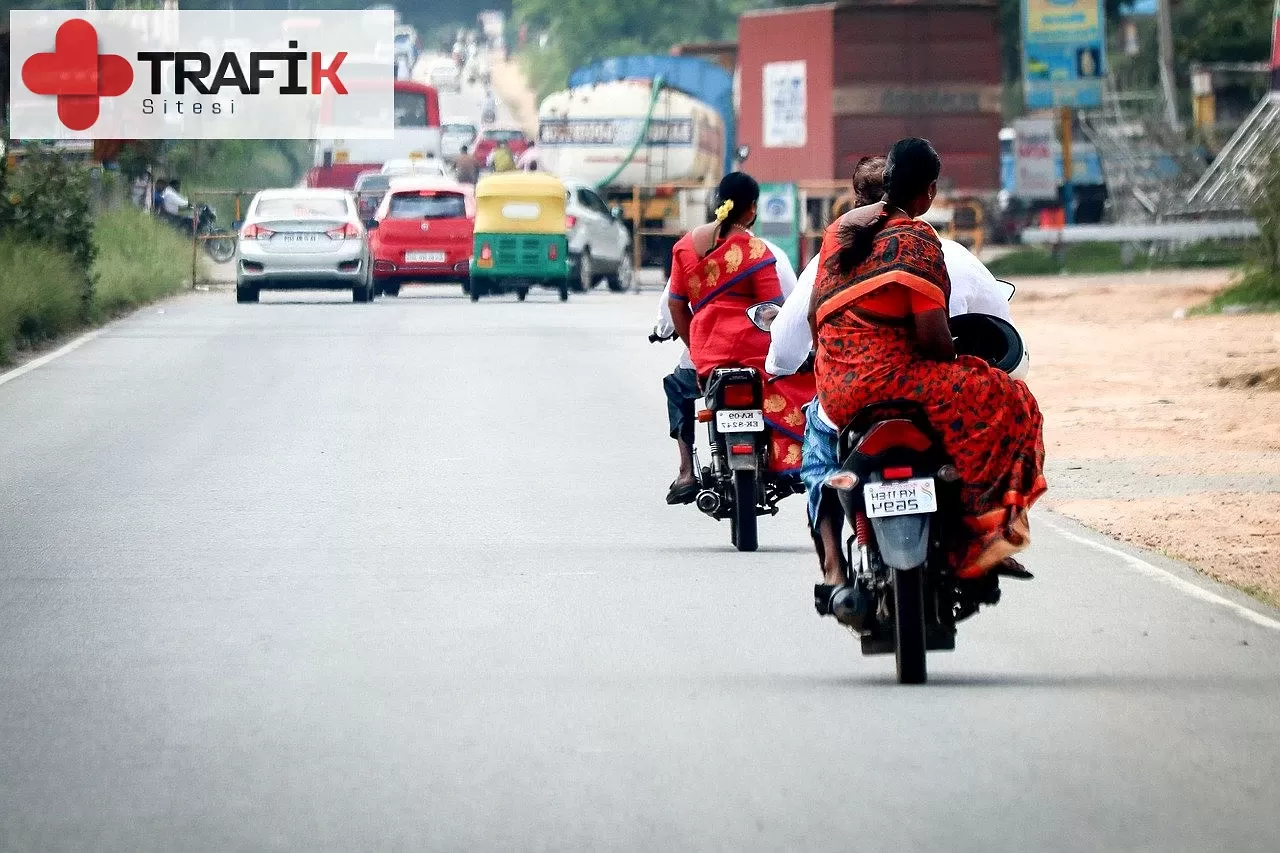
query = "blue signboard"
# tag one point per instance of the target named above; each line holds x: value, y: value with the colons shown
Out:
x: 1063, y: 53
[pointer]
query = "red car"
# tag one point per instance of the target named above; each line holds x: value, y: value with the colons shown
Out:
x: 422, y: 233
x: 490, y: 137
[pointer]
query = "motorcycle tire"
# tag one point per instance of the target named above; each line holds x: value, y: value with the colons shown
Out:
x: 742, y: 524
x: 908, y: 625
x: 221, y: 249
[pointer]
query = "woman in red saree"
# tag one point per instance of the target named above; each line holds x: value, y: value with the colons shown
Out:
x: 880, y: 312
x: 718, y: 271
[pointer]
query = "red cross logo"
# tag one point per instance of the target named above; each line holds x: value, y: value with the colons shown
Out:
x: 77, y: 74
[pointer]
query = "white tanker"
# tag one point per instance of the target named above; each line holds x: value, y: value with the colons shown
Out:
x: 587, y: 133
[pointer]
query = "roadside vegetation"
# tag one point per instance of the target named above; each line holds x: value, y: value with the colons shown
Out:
x: 61, y: 268
x: 1258, y: 288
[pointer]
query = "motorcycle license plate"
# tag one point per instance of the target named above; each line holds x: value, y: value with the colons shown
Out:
x: 740, y: 420
x: 900, y: 497
x: 424, y: 257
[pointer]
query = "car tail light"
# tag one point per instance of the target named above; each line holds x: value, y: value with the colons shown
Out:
x: 345, y: 231
x: 900, y: 472
x: 256, y: 232
x: 742, y: 449
x: 739, y: 395
x: 552, y: 252
x: 569, y: 222
x: 894, y: 433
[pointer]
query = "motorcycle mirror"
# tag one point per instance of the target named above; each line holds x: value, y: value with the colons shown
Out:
x: 762, y: 315
x: 1007, y: 288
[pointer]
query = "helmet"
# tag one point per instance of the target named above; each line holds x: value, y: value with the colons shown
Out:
x: 992, y: 339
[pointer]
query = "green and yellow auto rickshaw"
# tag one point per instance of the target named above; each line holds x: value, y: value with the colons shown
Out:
x: 519, y: 235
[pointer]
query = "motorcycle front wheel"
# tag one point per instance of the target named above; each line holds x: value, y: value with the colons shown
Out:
x: 742, y: 529
x: 908, y: 625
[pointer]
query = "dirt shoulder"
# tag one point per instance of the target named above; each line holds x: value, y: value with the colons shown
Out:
x: 1162, y: 429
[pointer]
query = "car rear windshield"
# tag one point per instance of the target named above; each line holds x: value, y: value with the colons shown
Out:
x: 301, y: 208
x: 411, y: 109
x: 462, y: 129
x: 373, y: 182
x: 427, y: 206
x: 504, y: 135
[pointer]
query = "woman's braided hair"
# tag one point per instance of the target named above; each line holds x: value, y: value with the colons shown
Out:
x: 912, y: 165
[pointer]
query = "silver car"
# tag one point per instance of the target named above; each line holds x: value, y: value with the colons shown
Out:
x: 303, y: 239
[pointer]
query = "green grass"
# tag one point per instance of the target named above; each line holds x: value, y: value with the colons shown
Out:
x: 40, y: 295
x: 1097, y: 258
x: 140, y: 260
x: 1256, y: 290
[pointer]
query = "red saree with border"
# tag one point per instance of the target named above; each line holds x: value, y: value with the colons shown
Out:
x: 719, y: 288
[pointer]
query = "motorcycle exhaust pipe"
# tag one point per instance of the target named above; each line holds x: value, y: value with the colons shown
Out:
x: 709, y: 502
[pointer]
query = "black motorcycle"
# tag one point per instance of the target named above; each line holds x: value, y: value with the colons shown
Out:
x: 219, y: 243
x: 901, y: 496
x: 738, y: 484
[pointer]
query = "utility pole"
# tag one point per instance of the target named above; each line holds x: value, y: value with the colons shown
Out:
x: 1168, y: 79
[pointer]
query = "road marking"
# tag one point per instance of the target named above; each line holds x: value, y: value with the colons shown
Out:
x: 1167, y: 577
x: 48, y: 357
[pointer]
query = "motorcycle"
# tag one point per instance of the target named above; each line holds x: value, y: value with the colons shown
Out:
x: 738, y: 484
x: 901, y: 496
x: 219, y: 243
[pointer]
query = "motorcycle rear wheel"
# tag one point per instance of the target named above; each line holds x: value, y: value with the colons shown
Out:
x: 742, y: 523
x: 221, y: 248
x: 908, y: 625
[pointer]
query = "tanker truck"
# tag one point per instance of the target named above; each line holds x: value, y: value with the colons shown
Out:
x: 651, y: 134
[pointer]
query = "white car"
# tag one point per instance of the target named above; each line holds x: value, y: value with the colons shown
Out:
x: 599, y: 242
x: 445, y: 76
x: 303, y: 239
x: 455, y: 133
x: 417, y: 166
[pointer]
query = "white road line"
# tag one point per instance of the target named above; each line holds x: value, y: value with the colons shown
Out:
x: 1169, y: 578
x: 48, y: 357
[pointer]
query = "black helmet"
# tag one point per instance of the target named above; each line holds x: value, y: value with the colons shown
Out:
x: 990, y: 338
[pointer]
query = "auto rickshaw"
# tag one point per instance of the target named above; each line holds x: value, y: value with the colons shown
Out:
x: 519, y: 235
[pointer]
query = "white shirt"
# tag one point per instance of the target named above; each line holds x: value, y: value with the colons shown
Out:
x: 665, y: 327
x: 973, y: 289
x: 172, y: 201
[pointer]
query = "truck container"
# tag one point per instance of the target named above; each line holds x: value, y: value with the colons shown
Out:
x: 824, y: 85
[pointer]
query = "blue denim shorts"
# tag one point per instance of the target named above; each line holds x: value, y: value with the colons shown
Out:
x: 820, y: 458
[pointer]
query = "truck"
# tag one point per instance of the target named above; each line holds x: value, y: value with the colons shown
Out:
x: 653, y: 135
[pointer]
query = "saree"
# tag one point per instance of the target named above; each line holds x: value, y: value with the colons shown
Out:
x: 719, y: 288
x: 989, y: 423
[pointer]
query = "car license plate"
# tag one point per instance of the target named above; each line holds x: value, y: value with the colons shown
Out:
x: 740, y: 420
x: 297, y: 238
x: 424, y: 257
x: 900, y: 497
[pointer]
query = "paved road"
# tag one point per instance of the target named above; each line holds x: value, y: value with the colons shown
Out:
x: 315, y: 576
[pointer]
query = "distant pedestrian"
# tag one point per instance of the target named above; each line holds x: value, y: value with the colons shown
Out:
x: 466, y: 167
x: 501, y: 160
x: 140, y: 192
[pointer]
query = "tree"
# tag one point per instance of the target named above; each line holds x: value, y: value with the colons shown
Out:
x: 1213, y: 31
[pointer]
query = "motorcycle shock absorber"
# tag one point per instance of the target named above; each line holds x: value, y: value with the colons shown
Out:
x: 862, y: 534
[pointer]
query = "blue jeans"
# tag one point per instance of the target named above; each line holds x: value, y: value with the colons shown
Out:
x: 820, y: 458
x: 681, y: 387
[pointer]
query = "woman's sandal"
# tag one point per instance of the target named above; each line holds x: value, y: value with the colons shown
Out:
x: 682, y: 494
x: 1011, y: 568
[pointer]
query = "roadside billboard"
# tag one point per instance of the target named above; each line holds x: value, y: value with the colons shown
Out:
x: 1063, y: 53
x: 1035, y: 160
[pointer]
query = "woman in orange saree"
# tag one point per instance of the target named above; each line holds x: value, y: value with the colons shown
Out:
x: 718, y: 271
x: 880, y: 311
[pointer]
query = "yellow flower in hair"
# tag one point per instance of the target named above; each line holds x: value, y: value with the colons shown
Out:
x: 723, y: 211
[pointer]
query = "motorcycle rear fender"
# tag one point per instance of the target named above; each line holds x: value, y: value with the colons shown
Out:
x: 741, y: 461
x: 903, y: 540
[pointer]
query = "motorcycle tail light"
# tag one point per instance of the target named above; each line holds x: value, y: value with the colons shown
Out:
x: 570, y: 222
x: 901, y: 472
x: 256, y: 232
x: 742, y: 449
x: 344, y: 231
x: 739, y: 395
x: 893, y: 433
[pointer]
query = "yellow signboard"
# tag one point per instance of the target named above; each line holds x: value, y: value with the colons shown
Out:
x: 1050, y: 20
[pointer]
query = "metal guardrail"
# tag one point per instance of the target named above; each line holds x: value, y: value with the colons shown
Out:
x: 1173, y: 232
